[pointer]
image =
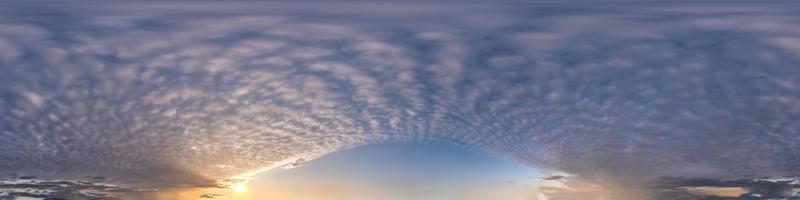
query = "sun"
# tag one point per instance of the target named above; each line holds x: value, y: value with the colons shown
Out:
x: 241, y: 188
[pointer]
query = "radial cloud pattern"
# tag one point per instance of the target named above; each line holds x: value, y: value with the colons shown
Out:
x: 176, y: 94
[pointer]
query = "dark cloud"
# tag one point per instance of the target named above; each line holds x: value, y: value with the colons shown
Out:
x: 779, y: 188
x: 553, y: 177
x: 209, y: 196
x: 297, y: 162
x: 58, y: 189
x: 177, y: 94
x: 678, y: 188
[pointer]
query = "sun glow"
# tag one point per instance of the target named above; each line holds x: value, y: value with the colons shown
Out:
x: 241, y: 188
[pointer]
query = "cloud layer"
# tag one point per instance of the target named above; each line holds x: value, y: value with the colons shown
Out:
x: 170, y: 93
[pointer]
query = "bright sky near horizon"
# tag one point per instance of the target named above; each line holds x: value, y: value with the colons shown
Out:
x: 399, y: 172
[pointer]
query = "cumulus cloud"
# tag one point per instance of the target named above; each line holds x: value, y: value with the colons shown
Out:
x: 170, y: 94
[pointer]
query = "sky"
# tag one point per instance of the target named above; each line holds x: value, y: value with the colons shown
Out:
x: 631, y: 97
x: 400, y: 172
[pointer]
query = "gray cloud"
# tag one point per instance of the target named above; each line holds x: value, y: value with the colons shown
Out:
x: 778, y: 188
x: 169, y: 93
x: 58, y: 189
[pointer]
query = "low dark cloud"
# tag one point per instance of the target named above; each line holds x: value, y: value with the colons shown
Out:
x: 677, y: 188
x: 12, y: 188
x: 776, y: 188
x: 553, y: 177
